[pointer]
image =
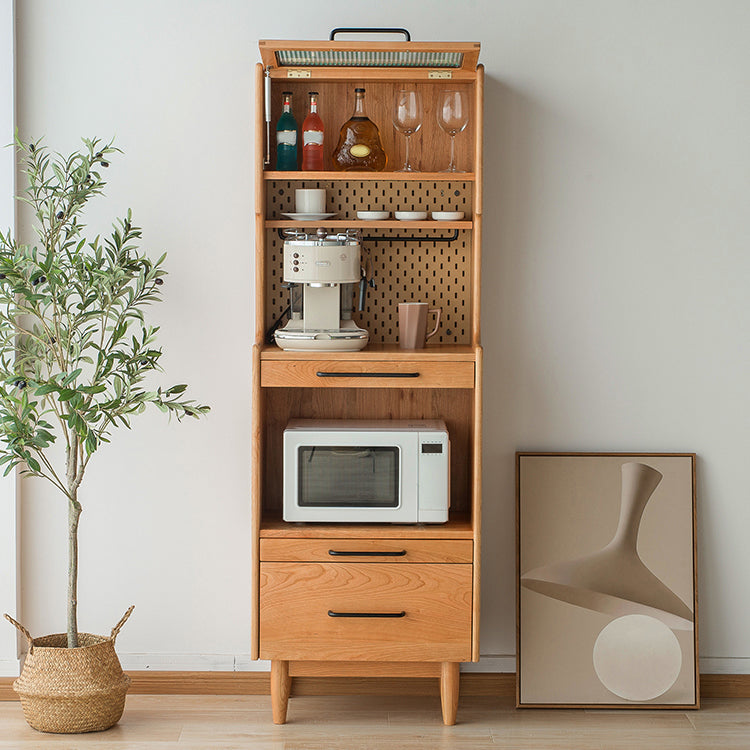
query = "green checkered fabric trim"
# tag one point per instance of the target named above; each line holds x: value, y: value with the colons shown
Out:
x: 368, y: 59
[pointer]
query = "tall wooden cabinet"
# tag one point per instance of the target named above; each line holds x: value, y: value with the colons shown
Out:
x: 429, y: 571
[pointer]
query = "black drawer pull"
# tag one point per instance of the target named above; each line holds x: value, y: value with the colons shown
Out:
x: 367, y: 374
x: 331, y: 613
x: 368, y: 553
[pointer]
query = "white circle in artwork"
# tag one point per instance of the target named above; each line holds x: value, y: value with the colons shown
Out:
x: 637, y: 657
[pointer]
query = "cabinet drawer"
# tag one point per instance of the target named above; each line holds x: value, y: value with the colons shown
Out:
x: 371, y: 374
x: 373, y: 550
x: 365, y: 612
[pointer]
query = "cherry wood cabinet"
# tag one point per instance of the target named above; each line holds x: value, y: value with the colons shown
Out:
x: 416, y: 599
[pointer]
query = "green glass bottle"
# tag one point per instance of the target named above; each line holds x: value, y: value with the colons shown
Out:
x: 286, y: 137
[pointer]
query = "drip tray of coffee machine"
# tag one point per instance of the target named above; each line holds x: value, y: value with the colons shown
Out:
x: 323, y: 272
x: 346, y: 339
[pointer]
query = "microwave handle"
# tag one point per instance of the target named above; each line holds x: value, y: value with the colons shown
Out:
x: 322, y: 374
x: 366, y: 553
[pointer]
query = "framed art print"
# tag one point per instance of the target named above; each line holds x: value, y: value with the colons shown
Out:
x: 606, y: 592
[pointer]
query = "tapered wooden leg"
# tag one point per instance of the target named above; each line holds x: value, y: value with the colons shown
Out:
x: 449, y: 679
x: 281, y: 684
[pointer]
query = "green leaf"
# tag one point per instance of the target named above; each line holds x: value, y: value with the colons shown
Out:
x: 73, y: 375
x: 43, y: 390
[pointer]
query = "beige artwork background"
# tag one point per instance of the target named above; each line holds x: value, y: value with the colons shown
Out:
x: 568, y: 507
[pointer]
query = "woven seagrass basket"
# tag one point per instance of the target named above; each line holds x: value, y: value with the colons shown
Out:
x: 72, y: 690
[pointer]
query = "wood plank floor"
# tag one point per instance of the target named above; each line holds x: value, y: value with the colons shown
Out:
x: 163, y: 722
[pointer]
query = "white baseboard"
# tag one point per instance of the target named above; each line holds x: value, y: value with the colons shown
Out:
x: 243, y: 663
x: 493, y: 663
x: 731, y: 665
x: 490, y: 664
x: 9, y: 668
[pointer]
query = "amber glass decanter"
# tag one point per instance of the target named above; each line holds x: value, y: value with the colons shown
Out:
x: 359, y: 148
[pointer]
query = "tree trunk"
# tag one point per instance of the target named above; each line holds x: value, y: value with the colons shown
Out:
x: 74, y: 513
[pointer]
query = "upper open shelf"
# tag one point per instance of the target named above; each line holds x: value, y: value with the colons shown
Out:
x: 301, y: 176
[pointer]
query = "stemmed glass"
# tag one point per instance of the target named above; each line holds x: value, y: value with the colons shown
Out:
x: 407, y: 119
x: 453, y: 117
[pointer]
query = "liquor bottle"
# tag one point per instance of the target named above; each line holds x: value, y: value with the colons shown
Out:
x: 286, y: 136
x: 312, y: 137
x: 359, y: 147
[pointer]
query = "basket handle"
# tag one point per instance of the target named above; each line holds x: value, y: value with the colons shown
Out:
x: 116, y: 629
x: 375, y: 30
x: 23, y: 630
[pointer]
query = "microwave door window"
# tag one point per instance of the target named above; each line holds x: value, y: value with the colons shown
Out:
x: 348, y: 476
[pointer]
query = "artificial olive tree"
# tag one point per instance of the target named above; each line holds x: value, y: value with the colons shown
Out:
x: 75, y: 350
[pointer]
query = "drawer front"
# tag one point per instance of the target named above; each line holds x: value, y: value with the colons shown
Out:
x: 365, y: 611
x: 373, y: 374
x: 373, y: 550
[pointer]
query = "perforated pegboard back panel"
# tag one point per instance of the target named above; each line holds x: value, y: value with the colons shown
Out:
x: 423, y: 269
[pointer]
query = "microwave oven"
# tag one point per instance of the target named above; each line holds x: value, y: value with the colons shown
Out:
x: 374, y: 471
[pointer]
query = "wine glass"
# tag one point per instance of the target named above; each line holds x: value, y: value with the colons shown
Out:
x: 407, y: 119
x: 453, y: 117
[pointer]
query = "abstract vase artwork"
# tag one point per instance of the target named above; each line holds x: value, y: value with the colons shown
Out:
x: 606, y: 595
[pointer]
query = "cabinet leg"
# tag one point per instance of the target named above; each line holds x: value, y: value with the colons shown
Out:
x: 449, y: 680
x: 281, y: 684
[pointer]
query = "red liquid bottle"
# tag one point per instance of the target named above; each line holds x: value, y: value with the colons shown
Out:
x: 312, y: 137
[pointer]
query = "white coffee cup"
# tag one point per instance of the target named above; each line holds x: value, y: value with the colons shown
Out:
x: 310, y: 200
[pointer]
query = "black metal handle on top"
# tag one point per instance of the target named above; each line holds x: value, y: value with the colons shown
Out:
x: 331, y: 613
x: 368, y: 553
x: 322, y: 374
x: 375, y: 30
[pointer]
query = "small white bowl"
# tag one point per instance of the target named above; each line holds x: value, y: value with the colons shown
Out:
x: 373, y: 215
x: 411, y: 215
x: 447, y: 215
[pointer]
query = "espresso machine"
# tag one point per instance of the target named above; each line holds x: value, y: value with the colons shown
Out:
x: 322, y: 271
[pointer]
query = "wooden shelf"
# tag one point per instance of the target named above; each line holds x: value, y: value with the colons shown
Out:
x: 386, y: 224
x: 457, y: 527
x: 390, y: 352
x: 392, y: 176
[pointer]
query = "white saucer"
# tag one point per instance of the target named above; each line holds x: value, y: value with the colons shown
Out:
x: 309, y: 217
x: 411, y: 215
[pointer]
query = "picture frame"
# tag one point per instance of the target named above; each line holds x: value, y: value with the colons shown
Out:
x: 606, y: 595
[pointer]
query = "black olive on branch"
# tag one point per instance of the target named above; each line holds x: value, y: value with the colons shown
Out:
x: 159, y: 281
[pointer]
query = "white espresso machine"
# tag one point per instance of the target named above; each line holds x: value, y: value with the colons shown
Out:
x: 323, y: 271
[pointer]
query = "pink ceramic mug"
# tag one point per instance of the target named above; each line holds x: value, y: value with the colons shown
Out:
x: 412, y: 324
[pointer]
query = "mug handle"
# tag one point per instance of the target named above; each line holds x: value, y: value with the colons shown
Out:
x: 439, y: 312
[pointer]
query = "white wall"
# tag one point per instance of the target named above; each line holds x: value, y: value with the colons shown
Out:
x: 616, y: 270
x: 8, y: 548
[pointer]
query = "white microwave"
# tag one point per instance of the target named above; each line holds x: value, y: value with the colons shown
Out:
x: 356, y: 471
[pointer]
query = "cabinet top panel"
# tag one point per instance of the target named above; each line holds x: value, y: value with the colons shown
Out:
x: 440, y: 60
